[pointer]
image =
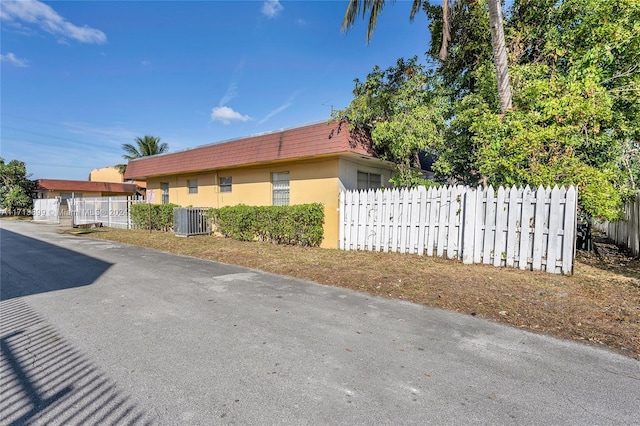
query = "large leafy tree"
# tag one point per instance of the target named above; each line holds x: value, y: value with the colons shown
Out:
x: 374, y: 8
x: 16, y: 189
x: 575, y: 117
x: 143, y: 147
x: 577, y: 102
x: 401, y: 109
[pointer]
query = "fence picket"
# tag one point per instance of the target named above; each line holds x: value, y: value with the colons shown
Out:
x: 341, y: 220
x: 423, y: 211
x: 388, y: 217
x: 469, y: 226
x: 452, y: 223
x: 626, y: 232
x: 434, y: 196
x: 478, y: 239
x: 442, y: 220
x: 414, y: 224
x: 361, y: 225
x: 526, y: 220
x: 554, y: 230
x: 378, y: 199
x: 351, y: 198
x: 405, y: 210
x: 489, y: 227
x: 538, y: 230
x: 633, y: 227
x: 570, y: 224
x: 396, y: 210
x: 514, y: 217
x: 500, y: 245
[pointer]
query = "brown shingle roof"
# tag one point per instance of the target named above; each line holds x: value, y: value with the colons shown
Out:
x: 300, y: 142
x: 87, y: 186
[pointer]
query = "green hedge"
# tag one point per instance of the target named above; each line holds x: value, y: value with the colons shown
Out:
x: 153, y: 216
x: 293, y: 225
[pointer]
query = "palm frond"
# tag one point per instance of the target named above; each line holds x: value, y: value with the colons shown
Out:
x: 356, y: 7
x: 144, y: 147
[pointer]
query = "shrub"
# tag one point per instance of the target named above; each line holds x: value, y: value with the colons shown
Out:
x: 153, y: 216
x: 292, y: 225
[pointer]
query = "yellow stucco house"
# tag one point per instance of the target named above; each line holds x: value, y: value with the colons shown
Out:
x: 106, y: 174
x: 113, y: 174
x: 308, y: 164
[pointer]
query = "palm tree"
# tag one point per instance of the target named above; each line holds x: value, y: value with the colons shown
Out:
x: 144, y: 147
x: 356, y: 7
x: 374, y: 7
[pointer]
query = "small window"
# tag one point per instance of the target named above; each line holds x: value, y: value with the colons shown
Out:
x: 64, y: 196
x: 280, y: 186
x: 164, y: 186
x: 369, y: 180
x: 193, y: 186
x: 225, y: 184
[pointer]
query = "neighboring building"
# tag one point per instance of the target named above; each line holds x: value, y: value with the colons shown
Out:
x: 309, y: 164
x: 106, y: 174
x: 112, y: 174
x: 52, y: 188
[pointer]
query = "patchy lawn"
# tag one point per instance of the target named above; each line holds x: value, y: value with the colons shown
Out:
x: 599, y: 304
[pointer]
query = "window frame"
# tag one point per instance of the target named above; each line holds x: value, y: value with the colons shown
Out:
x: 368, y: 180
x: 192, y: 186
x: 164, y: 188
x: 280, y: 192
x: 225, y: 186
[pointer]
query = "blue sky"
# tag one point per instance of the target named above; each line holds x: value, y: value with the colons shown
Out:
x: 80, y: 78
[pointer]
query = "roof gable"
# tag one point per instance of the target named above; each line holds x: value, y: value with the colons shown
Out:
x: 300, y: 142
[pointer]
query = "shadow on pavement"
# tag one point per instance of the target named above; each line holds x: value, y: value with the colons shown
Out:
x: 25, y: 260
x: 44, y: 380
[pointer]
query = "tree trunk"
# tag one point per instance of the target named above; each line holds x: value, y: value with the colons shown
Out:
x: 500, y: 55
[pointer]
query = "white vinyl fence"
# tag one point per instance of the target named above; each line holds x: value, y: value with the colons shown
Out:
x: 626, y: 232
x: 112, y: 212
x: 517, y: 227
x: 46, y: 210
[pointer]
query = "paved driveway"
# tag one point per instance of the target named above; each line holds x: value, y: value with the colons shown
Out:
x: 95, y: 332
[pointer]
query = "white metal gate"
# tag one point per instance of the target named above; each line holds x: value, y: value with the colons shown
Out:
x: 112, y: 212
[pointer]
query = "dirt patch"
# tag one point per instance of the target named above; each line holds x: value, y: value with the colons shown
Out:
x: 599, y: 304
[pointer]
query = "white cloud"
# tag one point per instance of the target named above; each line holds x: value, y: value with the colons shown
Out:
x: 271, y: 8
x: 36, y: 13
x: 226, y: 115
x: 13, y: 59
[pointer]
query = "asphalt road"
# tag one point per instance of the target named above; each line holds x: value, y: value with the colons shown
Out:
x: 94, y: 332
